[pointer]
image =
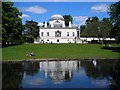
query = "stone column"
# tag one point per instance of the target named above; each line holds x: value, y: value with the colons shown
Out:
x: 70, y: 24
x: 63, y: 25
x: 45, y: 24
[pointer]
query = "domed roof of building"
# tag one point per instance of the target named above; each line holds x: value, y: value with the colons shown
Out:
x: 56, y: 17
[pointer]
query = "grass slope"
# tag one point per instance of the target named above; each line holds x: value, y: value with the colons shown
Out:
x: 57, y: 51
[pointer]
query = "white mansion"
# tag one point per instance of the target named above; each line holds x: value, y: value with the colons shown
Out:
x: 55, y: 31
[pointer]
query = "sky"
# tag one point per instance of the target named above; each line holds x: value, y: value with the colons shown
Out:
x: 80, y: 11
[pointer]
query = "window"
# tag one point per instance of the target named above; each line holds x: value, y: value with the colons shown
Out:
x: 57, y: 22
x: 67, y: 33
x: 57, y: 40
x: 42, y: 33
x: 47, y: 33
x: 73, y: 34
x: 58, y: 34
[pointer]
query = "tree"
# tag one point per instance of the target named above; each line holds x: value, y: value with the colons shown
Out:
x: 88, y: 21
x: 91, y: 29
x: 11, y: 24
x: 95, y: 19
x: 68, y: 18
x: 104, y: 28
x: 114, y: 12
x: 32, y: 30
x: 82, y: 28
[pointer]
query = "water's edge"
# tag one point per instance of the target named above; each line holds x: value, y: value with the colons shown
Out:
x: 55, y: 59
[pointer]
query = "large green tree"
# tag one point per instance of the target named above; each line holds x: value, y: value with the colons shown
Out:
x: 32, y: 30
x: 68, y: 18
x: 91, y: 28
x: 96, y: 28
x: 11, y: 24
x: 88, y: 21
x: 114, y: 12
x: 105, y: 28
x: 82, y: 28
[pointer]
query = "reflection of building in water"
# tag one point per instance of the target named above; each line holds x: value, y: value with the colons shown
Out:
x: 59, y: 70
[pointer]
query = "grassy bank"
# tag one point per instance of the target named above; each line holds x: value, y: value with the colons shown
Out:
x: 57, y: 51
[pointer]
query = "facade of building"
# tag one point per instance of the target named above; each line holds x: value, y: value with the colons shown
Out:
x: 55, y: 31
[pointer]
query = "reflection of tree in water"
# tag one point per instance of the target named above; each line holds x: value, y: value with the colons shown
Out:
x: 31, y: 68
x: 102, y: 69
x: 115, y: 72
x: 106, y: 66
x: 90, y: 69
x: 12, y: 75
x: 109, y: 69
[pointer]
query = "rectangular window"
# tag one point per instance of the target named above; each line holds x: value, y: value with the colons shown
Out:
x: 67, y: 33
x: 73, y: 34
x: 42, y: 33
x: 57, y: 33
x: 47, y: 33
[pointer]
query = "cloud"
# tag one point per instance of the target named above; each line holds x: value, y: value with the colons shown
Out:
x: 40, y: 24
x: 80, y: 20
x: 35, y: 9
x: 25, y: 16
x: 100, y: 8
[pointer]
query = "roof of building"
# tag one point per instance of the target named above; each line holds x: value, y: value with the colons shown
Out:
x: 56, y: 17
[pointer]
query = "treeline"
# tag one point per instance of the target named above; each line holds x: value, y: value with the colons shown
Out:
x: 107, y: 27
x: 14, y: 32
x: 96, y: 28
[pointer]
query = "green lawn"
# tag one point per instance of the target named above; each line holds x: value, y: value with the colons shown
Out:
x: 59, y: 51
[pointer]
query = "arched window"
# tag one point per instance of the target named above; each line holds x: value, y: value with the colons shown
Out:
x: 57, y: 22
x: 67, y: 33
x: 57, y: 40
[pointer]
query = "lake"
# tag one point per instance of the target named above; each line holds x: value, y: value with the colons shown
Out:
x: 62, y: 74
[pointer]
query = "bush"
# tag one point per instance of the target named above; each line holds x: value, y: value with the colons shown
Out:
x: 30, y: 40
x: 110, y: 42
x: 94, y: 42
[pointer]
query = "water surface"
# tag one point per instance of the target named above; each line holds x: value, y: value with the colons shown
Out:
x: 62, y: 74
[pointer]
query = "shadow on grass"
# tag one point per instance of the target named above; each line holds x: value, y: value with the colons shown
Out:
x: 9, y: 45
x: 114, y: 49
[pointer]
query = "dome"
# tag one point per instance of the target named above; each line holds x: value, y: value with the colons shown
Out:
x: 56, y: 17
